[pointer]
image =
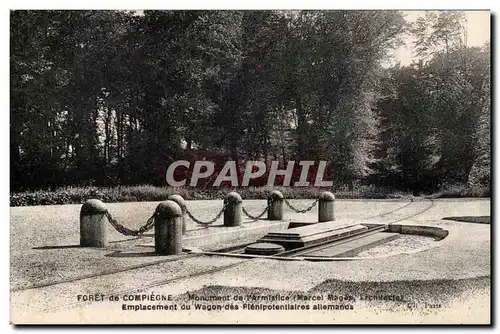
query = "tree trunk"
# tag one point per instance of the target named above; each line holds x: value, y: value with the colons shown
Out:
x: 301, y: 130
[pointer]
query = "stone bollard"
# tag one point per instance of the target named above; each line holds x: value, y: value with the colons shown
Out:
x: 182, y: 203
x: 232, y: 213
x: 93, y: 224
x: 275, y: 211
x: 326, y: 207
x: 168, y: 228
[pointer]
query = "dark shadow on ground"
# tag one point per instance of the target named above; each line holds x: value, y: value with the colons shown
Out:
x: 78, y: 246
x: 124, y: 240
x: 136, y: 254
x: 57, y: 247
x: 142, y: 254
x: 471, y: 219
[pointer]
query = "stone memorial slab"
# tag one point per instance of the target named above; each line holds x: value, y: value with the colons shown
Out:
x: 307, y: 235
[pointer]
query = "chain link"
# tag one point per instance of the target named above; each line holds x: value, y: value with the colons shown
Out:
x: 301, y: 211
x: 210, y: 222
x: 258, y: 216
x: 126, y: 231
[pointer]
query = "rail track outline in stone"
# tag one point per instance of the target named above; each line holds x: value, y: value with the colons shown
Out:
x: 326, y: 244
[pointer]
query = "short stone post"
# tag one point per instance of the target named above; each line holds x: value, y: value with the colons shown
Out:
x: 168, y: 228
x: 93, y: 224
x: 275, y: 202
x: 182, y: 203
x: 232, y: 213
x: 326, y: 207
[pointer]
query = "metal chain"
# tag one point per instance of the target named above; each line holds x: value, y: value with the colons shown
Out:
x: 210, y: 222
x: 258, y: 216
x: 301, y: 211
x: 126, y: 231
x: 151, y: 221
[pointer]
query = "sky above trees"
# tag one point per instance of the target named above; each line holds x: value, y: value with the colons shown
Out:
x: 478, y: 32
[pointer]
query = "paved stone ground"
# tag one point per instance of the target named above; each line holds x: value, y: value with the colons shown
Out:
x: 454, y: 275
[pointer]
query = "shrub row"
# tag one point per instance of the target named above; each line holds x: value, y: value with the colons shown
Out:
x: 77, y: 195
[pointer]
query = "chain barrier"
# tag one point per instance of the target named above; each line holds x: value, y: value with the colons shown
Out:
x: 126, y: 231
x: 151, y: 221
x: 210, y: 222
x: 258, y: 216
x: 298, y: 210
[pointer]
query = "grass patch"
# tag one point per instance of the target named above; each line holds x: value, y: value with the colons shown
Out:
x: 149, y: 193
x: 459, y: 190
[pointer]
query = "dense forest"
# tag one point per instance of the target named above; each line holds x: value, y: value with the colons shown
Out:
x: 113, y: 97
